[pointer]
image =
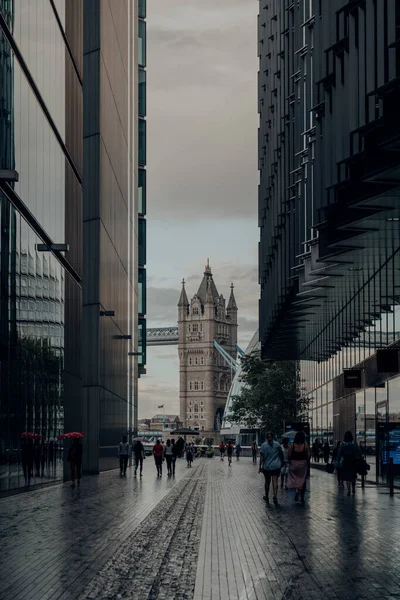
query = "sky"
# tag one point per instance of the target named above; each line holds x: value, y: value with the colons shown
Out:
x: 202, y: 172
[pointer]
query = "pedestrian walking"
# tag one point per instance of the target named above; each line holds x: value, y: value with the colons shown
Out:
x: 254, y: 451
x: 285, y: 466
x: 168, y: 454
x: 271, y: 461
x: 336, y: 464
x: 123, y: 455
x: 139, y: 456
x: 189, y: 454
x: 158, y: 453
x: 229, y: 452
x: 327, y: 451
x: 222, y: 449
x: 238, y: 451
x: 315, y: 449
x: 349, y: 455
x: 75, y: 460
x: 175, y: 454
x: 299, y: 460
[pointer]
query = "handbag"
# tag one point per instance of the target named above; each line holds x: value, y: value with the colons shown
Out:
x: 330, y: 467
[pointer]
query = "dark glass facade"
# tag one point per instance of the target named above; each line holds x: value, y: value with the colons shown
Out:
x: 40, y: 75
x: 329, y: 215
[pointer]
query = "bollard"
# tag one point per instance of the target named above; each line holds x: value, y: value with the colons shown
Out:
x: 390, y: 474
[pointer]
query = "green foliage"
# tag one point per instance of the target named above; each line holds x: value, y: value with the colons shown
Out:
x: 210, y: 452
x: 208, y: 441
x: 271, y: 394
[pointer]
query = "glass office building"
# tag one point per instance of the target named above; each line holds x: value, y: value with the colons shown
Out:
x: 68, y: 233
x: 329, y: 141
x: 41, y: 200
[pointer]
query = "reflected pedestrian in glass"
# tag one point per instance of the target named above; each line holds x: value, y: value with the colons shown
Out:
x: 348, y: 456
x: 27, y: 460
x: 75, y: 460
x: 285, y: 466
x: 169, y: 453
x: 299, y: 459
x: 139, y: 455
x: 271, y: 461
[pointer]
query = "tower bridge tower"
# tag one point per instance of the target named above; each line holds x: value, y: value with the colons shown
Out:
x: 205, y: 378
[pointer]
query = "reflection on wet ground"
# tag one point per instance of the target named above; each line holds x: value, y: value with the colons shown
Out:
x: 89, y: 542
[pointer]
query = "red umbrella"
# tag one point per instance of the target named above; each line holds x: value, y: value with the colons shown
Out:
x: 72, y: 435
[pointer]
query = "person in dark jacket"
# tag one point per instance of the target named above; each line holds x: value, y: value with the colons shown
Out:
x: 337, y: 465
x: 326, y: 450
x: 75, y: 460
x: 348, y: 456
x: 175, y: 452
x: 139, y: 455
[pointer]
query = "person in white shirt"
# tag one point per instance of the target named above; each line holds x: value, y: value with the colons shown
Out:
x: 123, y: 453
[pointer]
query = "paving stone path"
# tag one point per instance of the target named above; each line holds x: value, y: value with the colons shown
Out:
x: 156, y: 562
x: 207, y: 535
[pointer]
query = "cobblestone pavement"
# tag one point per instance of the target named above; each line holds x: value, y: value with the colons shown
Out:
x: 334, y: 547
x: 206, y: 536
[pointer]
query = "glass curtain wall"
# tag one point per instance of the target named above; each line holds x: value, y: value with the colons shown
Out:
x: 33, y: 140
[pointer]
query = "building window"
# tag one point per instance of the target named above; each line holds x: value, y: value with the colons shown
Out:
x: 142, y: 291
x: 190, y: 385
x: 142, y: 192
x: 142, y: 44
x: 201, y: 403
x: 195, y: 327
x: 190, y: 360
x: 202, y: 360
x: 142, y: 93
x: 196, y: 311
x: 196, y: 408
x: 142, y: 141
x: 196, y: 361
x: 221, y: 385
x: 196, y: 385
x: 202, y: 385
x: 142, y: 241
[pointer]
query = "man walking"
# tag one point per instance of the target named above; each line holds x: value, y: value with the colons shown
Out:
x: 254, y: 451
x: 229, y: 451
x: 271, y: 461
x: 123, y: 453
x: 222, y: 450
x: 139, y: 455
x: 158, y: 453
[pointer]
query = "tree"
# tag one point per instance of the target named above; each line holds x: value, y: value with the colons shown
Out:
x: 271, y: 394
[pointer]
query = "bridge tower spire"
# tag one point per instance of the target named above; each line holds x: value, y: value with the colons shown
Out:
x: 204, y: 376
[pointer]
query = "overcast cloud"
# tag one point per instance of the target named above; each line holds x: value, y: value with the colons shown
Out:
x: 202, y: 167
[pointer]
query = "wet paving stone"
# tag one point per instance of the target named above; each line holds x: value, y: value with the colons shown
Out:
x: 207, y: 535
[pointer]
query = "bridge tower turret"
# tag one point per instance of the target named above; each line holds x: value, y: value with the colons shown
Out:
x: 204, y: 376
